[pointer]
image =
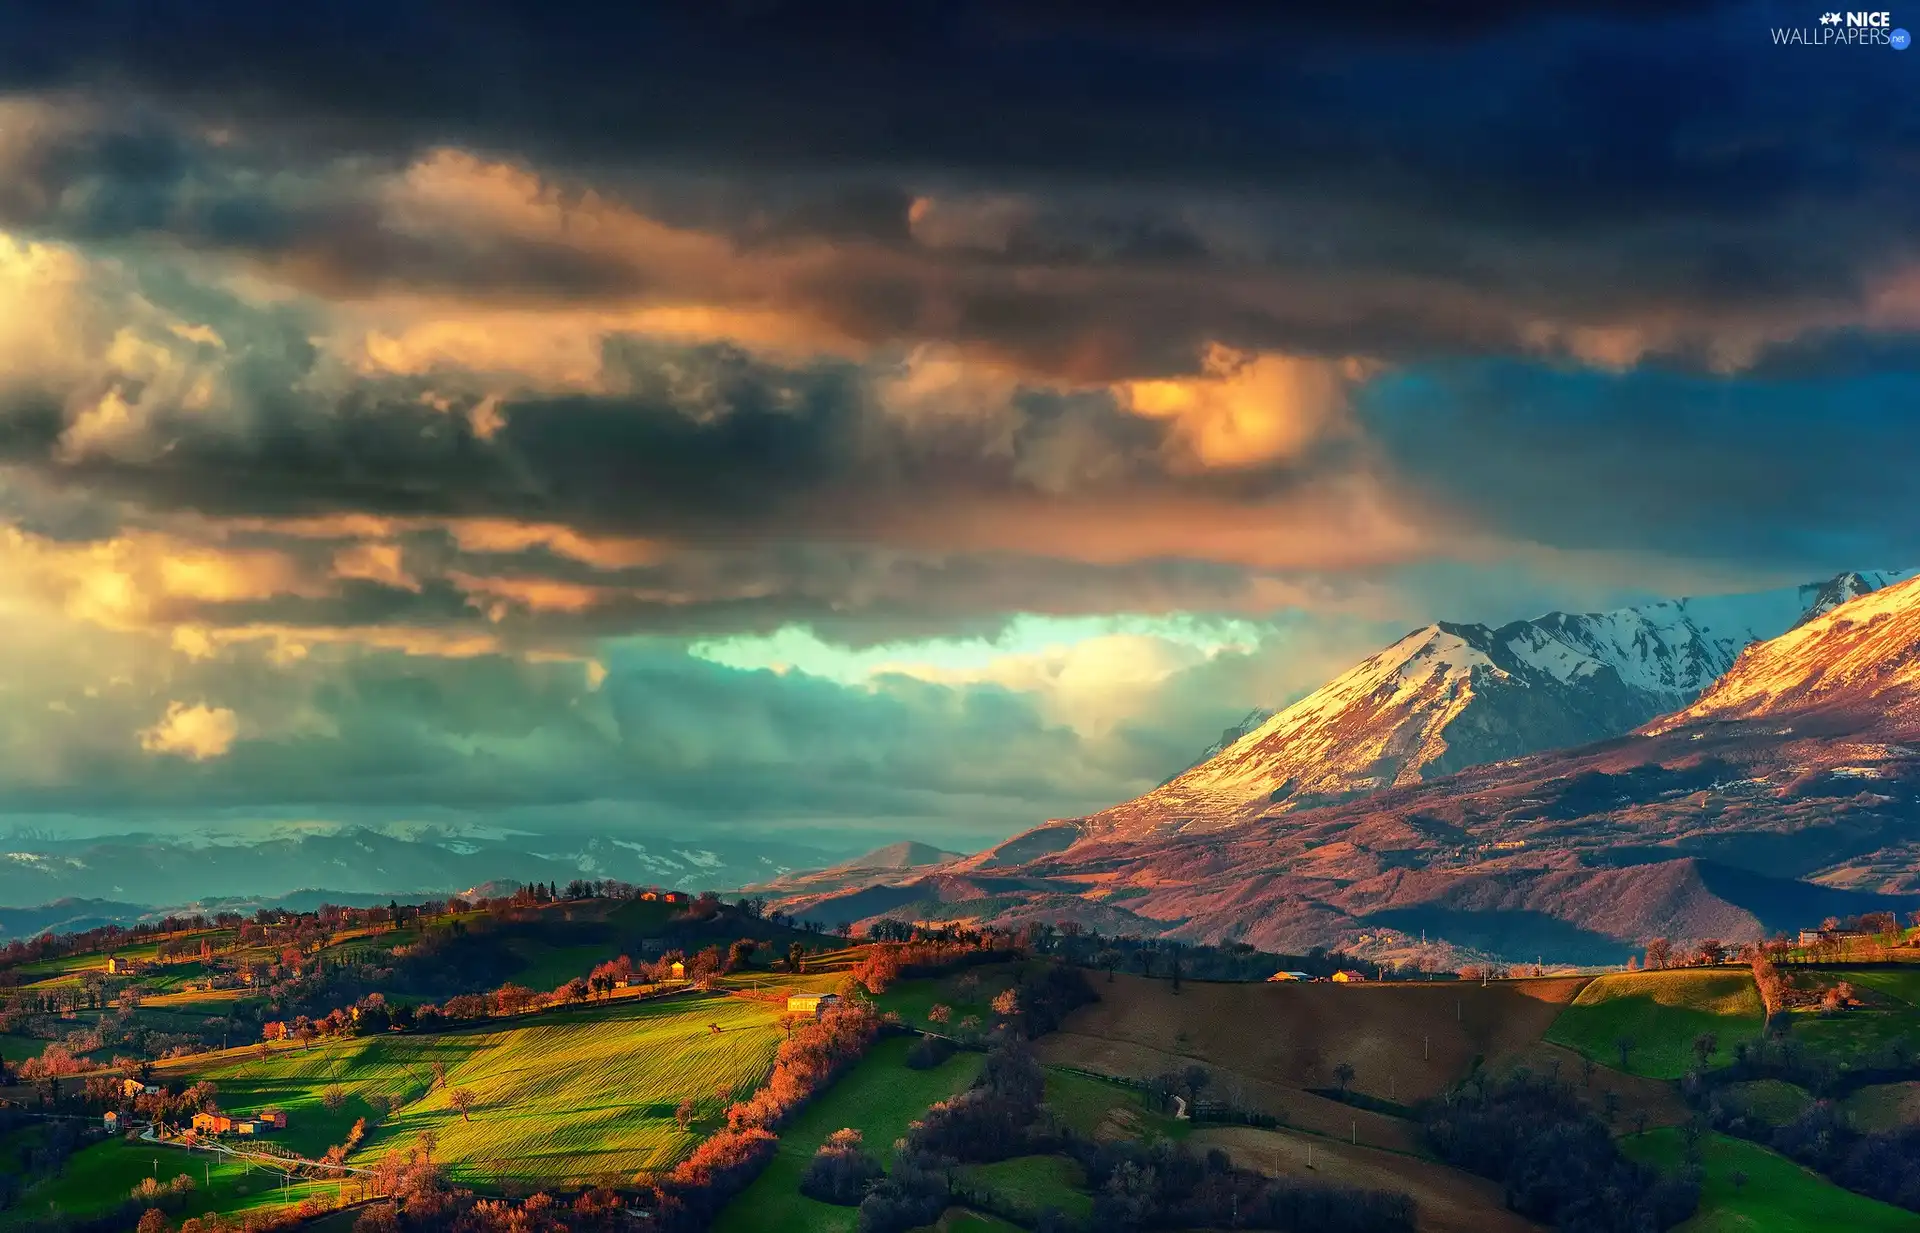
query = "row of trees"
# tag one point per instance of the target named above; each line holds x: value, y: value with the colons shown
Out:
x: 1174, y: 958
x: 816, y: 1053
x: 1838, y: 937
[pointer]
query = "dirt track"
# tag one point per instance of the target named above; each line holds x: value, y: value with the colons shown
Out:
x: 1405, y: 1042
x: 1449, y: 1201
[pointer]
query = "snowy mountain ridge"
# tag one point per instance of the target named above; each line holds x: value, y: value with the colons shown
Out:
x: 1450, y: 696
x: 1862, y: 654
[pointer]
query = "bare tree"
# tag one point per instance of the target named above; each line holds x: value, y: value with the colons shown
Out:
x: 463, y: 1099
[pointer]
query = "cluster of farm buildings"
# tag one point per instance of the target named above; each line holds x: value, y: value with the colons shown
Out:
x: 1344, y: 976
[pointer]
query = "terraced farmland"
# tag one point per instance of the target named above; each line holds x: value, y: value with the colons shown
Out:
x: 570, y: 1098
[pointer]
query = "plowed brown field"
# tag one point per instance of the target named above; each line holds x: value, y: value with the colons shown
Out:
x: 1405, y: 1042
x: 1448, y: 1201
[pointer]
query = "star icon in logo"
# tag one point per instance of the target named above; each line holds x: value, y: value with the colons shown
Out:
x: 1829, y: 19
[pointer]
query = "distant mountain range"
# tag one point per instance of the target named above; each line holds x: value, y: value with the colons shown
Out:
x: 886, y: 864
x: 144, y: 873
x: 1719, y: 786
x: 80, y: 915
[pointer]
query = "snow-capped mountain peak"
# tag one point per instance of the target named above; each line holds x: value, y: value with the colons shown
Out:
x: 1447, y: 696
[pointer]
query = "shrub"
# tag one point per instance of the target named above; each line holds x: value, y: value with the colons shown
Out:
x: 841, y: 1171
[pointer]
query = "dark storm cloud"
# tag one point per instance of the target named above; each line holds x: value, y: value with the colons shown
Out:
x: 1391, y: 180
x: 989, y: 85
x: 696, y: 441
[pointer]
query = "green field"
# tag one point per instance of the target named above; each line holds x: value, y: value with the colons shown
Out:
x: 1902, y: 983
x: 1663, y: 1012
x: 20, y: 1048
x: 912, y: 999
x: 102, y: 1176
x: 1777, y: 1197
x: 1884, y: 1106
x: 960, y: 1220
x: 1771, y: 1100
x: 1085, y: 1103
x: 565, y: 1098
x: 881, y: 1097
x: 80, y: 963
x: 1034, y: 1184
x: 549, y: 967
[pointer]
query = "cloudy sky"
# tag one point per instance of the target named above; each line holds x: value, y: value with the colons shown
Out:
x: 918, y: 419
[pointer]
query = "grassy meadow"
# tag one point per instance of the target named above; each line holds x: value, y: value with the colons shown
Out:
x: 568, y: 1097
x: 1034, y: 1184
x: 103, y: 1176
x: 881, y: 1097
x: 1662, y: 1013
x: 1748, y: 1189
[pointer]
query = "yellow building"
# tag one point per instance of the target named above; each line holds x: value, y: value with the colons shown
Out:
x: 815, y: 1004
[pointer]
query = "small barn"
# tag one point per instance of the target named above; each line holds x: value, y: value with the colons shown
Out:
x: 679, y: 970
x: 1347, y: 976
x: 815, y: 1004
x: 1289, y: 976
x: 212, y: 1123
x: 112, y: 1121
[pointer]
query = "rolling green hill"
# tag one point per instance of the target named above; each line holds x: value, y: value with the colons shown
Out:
x: 880, y: 1097
x: 561, y: 1098
x: 1662, y: 1013
x: 1748, y: 1189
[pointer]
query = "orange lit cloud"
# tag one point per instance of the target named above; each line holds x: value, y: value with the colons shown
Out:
x: 375, y: 562
x: 136, y: 579
x: 1247, y: 410
x: 483, y: 535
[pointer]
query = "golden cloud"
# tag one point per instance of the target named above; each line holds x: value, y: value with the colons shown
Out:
x: 492, y: 535
x: 375, y: 561
x: 198, y: 732
x: 1248, y: 410
x: 134, y: 580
